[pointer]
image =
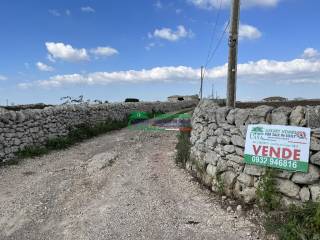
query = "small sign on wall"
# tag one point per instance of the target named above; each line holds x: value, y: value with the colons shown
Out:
x: 283, y: 147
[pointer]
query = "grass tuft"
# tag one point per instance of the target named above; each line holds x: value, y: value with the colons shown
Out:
x: 267, y: 194
x: 292, y: 223
x: 220, y: 185
x: 183, y: 148
x: 296, y: 222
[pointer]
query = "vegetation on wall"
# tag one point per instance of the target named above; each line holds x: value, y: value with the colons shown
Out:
x: 220, y: 185
x: 292, y: 223
x: 296, y: 222
x: 267, y: 194
x: 183, y: 148
x: 78, y: 134
x: 79, y: 100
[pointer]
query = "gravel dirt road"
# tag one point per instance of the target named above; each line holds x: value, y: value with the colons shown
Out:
x: 122, y: 185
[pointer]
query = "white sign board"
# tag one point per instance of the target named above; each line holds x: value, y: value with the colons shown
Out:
x: 284, y: 147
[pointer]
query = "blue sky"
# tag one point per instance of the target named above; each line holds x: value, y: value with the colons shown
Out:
x: 150, y: 49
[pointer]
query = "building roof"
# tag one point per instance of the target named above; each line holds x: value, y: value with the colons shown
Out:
x: 178, y: 96
x: 275, y: 98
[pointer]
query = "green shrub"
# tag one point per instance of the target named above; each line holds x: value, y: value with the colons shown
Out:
x: 292, y: 223
x: 32, y: 151
x: 220, y: 185
x: 131, y: 100
x: 267, y: 194
x: 78, y: 134
x: 183, y: 148
x: 296, y: 222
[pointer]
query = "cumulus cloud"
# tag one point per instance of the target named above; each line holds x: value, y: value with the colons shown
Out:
x: 158, y: 74
x: 66, y: 52
x: 3, y: 78
x: 44, y: 67
x: 210, y: 4
x: 50, y: 58
x: 150, y: 46
x: 249, y: 32
x: 104, y: 51
x: 158, y: 4
x: 171, y: 35
x: 296, y: 71
x: 57, y: 13
x: 310, y: 53
x: 88, y: 9
x: 54, y: 12
x: 26, y: 85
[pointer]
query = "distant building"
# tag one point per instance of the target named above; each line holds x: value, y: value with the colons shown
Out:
x: 178, y: 98
x: 275, y: 99
x: 299, y: 99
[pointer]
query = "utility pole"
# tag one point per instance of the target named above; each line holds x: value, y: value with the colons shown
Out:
x: 212, y: 88
x: 202, y: 76
x: 233, y: 54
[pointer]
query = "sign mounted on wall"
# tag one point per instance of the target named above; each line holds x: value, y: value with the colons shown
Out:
x: 283, y: 147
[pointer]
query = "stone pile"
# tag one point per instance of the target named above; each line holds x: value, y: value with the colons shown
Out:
x: 19, y: 129
x: 218, y: 140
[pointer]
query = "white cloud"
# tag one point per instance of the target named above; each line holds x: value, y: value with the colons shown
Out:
x: 158, y: 5
x: 158, y: 74
x: 150, y: 46
x: 171, y: 35
x: 210, y: 4
x: 57, y: 13
x: 44, y: 67
x: 3, y: 78
x: 271, y: 70
x: 249, y: 32
x: 88, y: 9
x: 50, y: 58
x: 104, y: 51
x: 296, y: 71
x: 66, y: 52
x: 25, y: 85
x: 54, y: 12
x: 310, y: 53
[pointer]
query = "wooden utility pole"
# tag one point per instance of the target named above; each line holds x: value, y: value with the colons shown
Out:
x: 212, y: 87
x: 233, y: 54
x: 201, y: 86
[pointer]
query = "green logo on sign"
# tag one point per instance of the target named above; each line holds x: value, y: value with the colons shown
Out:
x: 257, y: 130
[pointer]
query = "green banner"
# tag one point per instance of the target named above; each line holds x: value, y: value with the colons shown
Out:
x: 289, y: 165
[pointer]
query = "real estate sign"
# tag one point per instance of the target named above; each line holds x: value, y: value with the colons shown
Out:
x: 284, y: 147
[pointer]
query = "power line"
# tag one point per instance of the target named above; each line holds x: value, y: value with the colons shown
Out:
x: 201, y: 86
x: 213, y: 33
x: 218, y: 44
x: 211, y: 53
x: 216, y: 48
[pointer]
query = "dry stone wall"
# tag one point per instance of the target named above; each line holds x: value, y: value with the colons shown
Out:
x: 218, y: 140
x: 19, y: 129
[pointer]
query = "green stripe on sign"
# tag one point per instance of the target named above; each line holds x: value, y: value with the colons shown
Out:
x: 290, y: 165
